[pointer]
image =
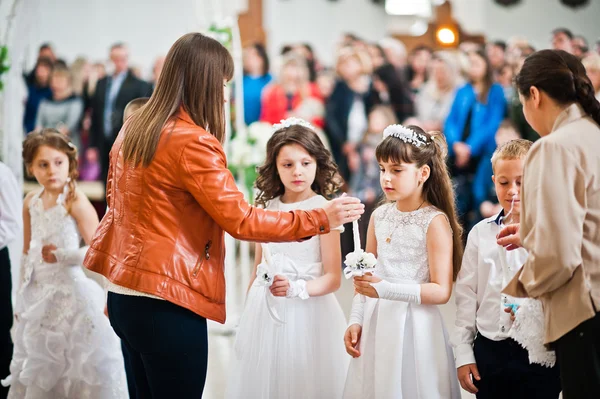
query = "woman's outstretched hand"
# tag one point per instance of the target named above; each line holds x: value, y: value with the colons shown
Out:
x: 343, y: 210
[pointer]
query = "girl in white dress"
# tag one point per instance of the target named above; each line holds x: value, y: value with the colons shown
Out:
x: 397, y: 337
x: 64, y: 346
x: 288, y: 343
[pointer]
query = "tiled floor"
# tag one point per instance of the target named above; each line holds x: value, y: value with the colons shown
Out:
x: 221, y: 346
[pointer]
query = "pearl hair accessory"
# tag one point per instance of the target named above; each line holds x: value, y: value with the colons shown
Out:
x: 406, y: 134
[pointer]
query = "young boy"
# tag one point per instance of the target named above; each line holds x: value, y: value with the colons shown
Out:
x: 483, y: 189
x: 490, y: 364
x: 133, y: 106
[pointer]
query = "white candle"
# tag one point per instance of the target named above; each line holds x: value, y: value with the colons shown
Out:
x: 266, y: 254
x: 356, y: 233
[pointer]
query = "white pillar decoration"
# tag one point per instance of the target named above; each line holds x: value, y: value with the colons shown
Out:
x: 238, y: 262
x: 18, y: 23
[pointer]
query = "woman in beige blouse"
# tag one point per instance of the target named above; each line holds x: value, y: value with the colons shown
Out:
x: 560, y: 214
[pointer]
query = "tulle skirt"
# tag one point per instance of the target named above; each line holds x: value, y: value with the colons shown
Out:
x: 405, y: 354
x: 289, y: 348
x: 64, y: 346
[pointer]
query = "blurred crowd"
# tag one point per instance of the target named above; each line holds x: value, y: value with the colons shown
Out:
x: 467, y: 93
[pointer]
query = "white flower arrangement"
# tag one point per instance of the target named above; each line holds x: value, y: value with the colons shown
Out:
x: 247, y: 151
x: 406, y: 134
x: 249, y: 147
x: 358, y: 263
x: 264, y: 275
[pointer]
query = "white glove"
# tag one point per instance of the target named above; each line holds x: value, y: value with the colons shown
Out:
x: 297, y: 289
x: 398, y: 292
x: 357, y: 313
x: 71, y: 257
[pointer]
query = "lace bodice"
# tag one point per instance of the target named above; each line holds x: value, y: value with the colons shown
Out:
x: 405, y: 256
x: 52, y: 226
x: 305, y: 255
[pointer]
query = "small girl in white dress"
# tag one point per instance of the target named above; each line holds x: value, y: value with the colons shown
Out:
x: 397, y: 337
x: 64, y: 346
x: 288, y: 344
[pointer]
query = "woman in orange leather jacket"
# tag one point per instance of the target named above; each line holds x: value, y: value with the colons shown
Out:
x: 170, y: 199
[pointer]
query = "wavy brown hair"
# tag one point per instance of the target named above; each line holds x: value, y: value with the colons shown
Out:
x: 192, y: 78
x: 437, y: 189
x: 327, y: 179
x: 54, y: 139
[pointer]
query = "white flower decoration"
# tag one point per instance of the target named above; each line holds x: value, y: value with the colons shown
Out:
x: 264, y: 275
x: 407, y: 135
x: 291, y: 122
x: 358, y: 263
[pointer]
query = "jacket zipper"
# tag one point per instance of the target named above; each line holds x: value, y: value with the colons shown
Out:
x: 206, y: 256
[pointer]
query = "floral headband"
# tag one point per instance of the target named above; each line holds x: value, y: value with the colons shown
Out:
x: 407, y: 135
x: 291, y: 122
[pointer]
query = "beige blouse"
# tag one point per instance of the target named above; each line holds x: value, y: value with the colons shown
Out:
x: 560, y: 223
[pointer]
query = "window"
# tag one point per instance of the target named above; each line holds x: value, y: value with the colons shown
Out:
x: 421, y: 8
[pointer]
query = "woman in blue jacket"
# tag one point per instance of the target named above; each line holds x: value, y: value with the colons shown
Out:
x: 478, y: 109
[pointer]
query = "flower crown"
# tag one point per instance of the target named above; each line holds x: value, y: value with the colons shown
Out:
x: 406, y: 134
x: 284, y: 123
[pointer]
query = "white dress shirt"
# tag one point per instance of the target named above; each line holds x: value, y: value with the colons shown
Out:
x: 357, y: 121
x: 10, y: 206
x: 486, y: 269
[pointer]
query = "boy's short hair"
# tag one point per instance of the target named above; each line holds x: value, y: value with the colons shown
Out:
x: 133, y: 106
x: 514, y: 149
x: 62, y: 71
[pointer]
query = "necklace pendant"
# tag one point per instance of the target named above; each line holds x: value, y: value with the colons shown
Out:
x: 388, y: 240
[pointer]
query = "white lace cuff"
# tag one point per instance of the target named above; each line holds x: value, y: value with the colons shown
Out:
x: 528, y: 330
x: 398, y: 292
x: 357, y: 313
x: 71, y: 257
x: 297, y: 289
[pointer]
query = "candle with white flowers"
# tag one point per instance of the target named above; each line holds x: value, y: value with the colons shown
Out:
x: 358, y: 262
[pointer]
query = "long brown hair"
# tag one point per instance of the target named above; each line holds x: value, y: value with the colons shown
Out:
x: 488, y: 78
x: 54, y: 139
x: 327, y: 179
x: 437, y: 189
x: 192, y: 78
x: 560, y: 75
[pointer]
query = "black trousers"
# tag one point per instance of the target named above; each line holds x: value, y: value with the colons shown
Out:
x: 506, y: 372
x: 578, y: 355
x: 6, y: 318
x: 129, y: 372
x: 167, y: 346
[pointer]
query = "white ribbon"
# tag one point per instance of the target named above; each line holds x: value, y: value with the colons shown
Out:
x: 265, y: 272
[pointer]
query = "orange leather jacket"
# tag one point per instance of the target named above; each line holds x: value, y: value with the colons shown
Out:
x: 163, y: 230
